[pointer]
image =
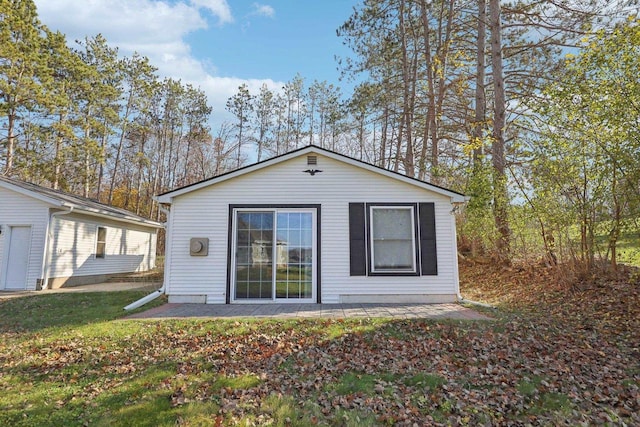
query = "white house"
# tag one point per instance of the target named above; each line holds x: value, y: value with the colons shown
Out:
x: 311, y: 226
x: 50, y: 239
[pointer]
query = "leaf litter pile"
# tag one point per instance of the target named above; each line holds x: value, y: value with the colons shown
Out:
x: 552, y: 356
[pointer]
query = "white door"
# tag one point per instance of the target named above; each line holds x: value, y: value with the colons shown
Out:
x: 18, y: 258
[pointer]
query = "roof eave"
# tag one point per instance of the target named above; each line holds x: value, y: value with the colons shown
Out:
x: 32, y: 194
x: 168, y: 197
x: 127, y: 219
x: 60, y: 203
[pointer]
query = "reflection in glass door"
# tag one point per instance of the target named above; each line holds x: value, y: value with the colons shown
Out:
x: 254, y: 255
x: 294, y: 248
x: 258, y: 249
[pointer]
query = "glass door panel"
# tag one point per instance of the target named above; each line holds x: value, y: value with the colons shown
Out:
x: 254, y: 255
x: 274, y: 255
x: 294, y: 255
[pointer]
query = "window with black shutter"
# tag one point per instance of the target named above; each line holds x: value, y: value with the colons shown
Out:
x: 392, y: 239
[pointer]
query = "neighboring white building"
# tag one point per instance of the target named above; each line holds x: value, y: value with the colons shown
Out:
x: 343, y: 231
x: 50, y: 239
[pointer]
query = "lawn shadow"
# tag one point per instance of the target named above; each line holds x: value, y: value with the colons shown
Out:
x: 33, y: 313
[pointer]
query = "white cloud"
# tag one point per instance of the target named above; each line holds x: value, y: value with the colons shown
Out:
x: 135, y: 21
x: 226, y: 87
x: 156, y: 29
x: 220, y: 8
x: 263, y: 10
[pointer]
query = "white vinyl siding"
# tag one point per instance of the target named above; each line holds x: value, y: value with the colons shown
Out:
x: 66, y: 246
x: 128, y: 248
x: 19, y: 210
x: 205, y: 213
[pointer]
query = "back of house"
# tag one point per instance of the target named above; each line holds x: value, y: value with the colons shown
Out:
x: 311, y: 226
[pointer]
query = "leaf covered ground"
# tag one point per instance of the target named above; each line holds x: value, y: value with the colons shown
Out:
x: 553, y: 356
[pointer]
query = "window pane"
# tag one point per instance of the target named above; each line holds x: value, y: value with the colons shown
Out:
x: 100, y: 250
x: 254, y: 255
x: 393, y: 255
x: 294, y: 246
x: 306, y: 221
x: 243, y: 221
x: 294, y: 238
x: 294, y: 220
x: 392, y: 224
x: 393, y: 242
x: 283, y: 220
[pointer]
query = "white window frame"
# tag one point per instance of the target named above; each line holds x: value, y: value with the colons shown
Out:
x: 104, y: 242
x: 414, y: 266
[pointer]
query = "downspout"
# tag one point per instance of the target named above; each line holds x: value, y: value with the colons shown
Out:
x: 158, y: 292
x: 48, y: 256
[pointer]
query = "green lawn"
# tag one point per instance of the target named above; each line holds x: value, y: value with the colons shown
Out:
x: 68, y: 359
x: 629, y: 249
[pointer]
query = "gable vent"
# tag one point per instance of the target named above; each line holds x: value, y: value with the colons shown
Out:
x: 312, y: 160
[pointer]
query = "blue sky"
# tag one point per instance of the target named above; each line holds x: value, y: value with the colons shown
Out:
x: 298, y: 38
x: 215, y: 44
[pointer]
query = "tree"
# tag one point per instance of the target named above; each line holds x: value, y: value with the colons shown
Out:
x: 61, y: 88
x: 99, y: 101
x: 417, y: 54
x: 589, y: 150
x: 500, y: 193
x: 263, y: 108
x: 295, y: 112
x: 22, y: 65
x: 138, y: 77
x: 197, y: 113
x: 240, y: 105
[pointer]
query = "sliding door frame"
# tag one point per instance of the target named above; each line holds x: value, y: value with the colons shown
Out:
x: 231, y: 248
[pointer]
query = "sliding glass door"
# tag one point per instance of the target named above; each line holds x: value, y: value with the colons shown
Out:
x: 274, y: 255
x: 254, y: 255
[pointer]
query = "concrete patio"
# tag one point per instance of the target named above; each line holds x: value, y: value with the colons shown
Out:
x: 282, y: 311
x: 285, y: 311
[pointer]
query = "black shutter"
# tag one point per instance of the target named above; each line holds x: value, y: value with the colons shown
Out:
x: 357, y: 242
x: 428, y: 257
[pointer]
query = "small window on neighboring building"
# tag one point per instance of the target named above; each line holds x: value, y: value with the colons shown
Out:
x: 101, y: 242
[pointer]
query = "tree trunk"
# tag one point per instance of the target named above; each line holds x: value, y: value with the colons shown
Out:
x: 407, y: 158
x: 57, y: 161
x: 431, y: 102
x: 614, y: 235
x: 383, y: 137
x: 481, y: 101
x: 103, y: 145
x: 500, y: 195
x: 11, y: 142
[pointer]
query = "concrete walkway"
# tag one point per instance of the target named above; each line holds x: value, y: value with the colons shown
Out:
x: 287, y: 311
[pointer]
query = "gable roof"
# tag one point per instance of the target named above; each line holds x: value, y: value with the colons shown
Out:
x: 310, y: 149
x: 80, y: 204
